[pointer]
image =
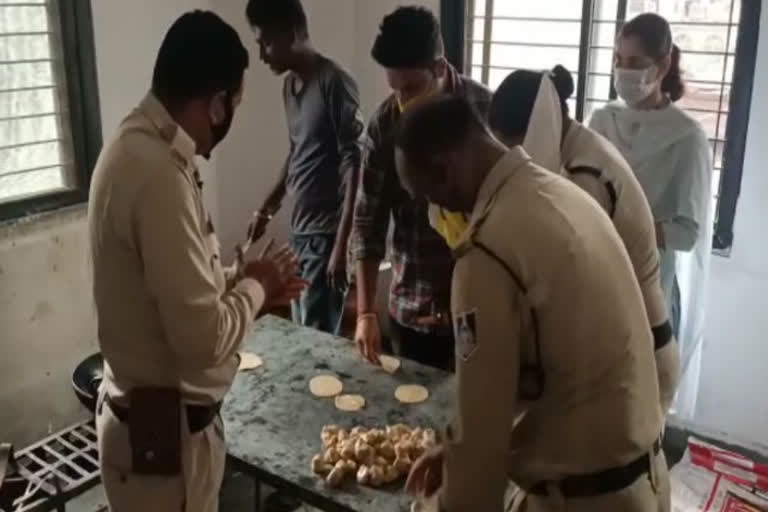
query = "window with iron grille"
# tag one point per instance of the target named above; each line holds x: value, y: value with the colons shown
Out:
x: 50, y: 131
x: 718, y: 40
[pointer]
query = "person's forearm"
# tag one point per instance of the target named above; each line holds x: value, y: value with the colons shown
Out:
x: 348, y: 207
x: 275, y: 198
x: 680, y: 234
x: 367, y: 278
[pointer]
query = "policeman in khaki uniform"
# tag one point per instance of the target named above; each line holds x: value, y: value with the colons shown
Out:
x: 555, y: 366
x: 530, y: 108
x: 170, y: 319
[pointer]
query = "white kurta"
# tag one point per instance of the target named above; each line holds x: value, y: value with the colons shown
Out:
x: 671, y: 157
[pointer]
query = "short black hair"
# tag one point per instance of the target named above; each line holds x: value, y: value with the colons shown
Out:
x: 200, y: 55
x: 408, y: 38
x: 283, y: 15
x: 435, y: 125
x: 513, y: 101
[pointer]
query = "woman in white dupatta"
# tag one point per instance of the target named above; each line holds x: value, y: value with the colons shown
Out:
x: 671, y: 157
x: 530, y: 107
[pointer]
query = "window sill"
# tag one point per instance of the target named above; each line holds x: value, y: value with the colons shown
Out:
x: 33, y: 208
x: 11, y: 228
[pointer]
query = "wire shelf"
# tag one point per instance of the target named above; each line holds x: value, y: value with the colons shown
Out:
x: 58, y: 468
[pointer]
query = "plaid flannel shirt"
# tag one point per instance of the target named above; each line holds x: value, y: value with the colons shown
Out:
x: 422, y: 263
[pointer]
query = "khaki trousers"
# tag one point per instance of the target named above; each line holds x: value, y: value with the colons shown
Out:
x: 649, y: 493
x: 195, y: 490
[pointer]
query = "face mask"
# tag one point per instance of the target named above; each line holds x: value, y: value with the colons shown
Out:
x: 450, y: 225
x: 219, y: 131
x: 415, y: 100
x: 634, y: 85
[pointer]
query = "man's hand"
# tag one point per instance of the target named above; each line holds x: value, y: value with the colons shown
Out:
x: 426, y: 476
x: 277, y: 274
x: 368, y: 337
x: 337, y: 268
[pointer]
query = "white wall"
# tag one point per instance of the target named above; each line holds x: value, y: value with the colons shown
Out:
x: 732, y: 392
x: 47, y: 323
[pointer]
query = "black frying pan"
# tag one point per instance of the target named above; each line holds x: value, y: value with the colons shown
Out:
x: 86, y: 380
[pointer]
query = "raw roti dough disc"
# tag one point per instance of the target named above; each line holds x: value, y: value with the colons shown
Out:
x: 249, y: 361
x: 411, y: 394
x: 389, y: 364
x: 349, y: 403
x: 325, y: 386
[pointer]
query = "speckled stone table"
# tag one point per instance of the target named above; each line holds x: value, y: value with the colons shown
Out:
x: 273, y: 423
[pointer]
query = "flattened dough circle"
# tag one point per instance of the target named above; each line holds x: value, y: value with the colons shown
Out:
x: 389, y: 364
x: 325, y: 386
x: 411, y: 394
x: 349, y: 403
x: 249, y: 361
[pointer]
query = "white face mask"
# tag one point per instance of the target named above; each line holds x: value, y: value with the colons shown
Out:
x: 634, y: 85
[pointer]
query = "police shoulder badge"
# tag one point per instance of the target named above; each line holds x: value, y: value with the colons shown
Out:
x: 465, y: 331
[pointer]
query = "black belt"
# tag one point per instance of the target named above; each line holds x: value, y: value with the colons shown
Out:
x: 603, y: 482
x: 198, y: 416
x: 662, y: 335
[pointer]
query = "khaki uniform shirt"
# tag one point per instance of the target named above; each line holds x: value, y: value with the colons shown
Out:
x: 594, y: 164
x: 543, y: 262
x: 166, y: 314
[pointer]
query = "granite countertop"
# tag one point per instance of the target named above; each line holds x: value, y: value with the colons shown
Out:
x: 273, y: 423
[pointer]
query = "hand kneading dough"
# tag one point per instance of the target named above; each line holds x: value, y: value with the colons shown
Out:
x: 389, y: 364
x: 411, y: 394
x: 349, y: 403
x: 325, y: 386
x: 249, y: 361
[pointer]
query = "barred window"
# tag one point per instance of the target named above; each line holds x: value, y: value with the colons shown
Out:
x: 718, y: 40
x: 49, y: 115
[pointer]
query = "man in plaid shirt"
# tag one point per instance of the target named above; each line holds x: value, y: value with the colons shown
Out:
x: 410, y: 48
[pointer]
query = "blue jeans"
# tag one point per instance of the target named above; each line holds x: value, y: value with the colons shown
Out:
x: 319, y: 306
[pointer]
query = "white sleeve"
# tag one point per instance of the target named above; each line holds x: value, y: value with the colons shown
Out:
x: 680, y: 233
x: 691, y: 193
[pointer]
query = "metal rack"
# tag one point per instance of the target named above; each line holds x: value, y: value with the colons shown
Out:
x: 58, y: 468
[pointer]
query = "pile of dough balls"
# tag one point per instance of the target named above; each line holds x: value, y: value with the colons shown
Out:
x: 373, y: 456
